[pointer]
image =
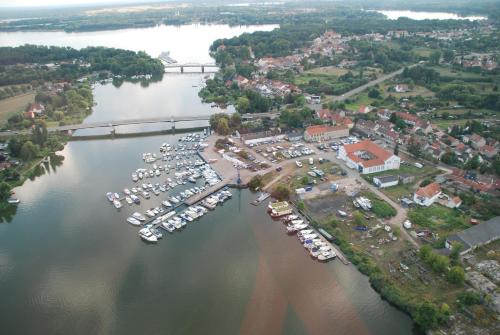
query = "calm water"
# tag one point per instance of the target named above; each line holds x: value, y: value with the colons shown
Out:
x: 188, y: 43
x: 396, y: 14
x: 70, y: 264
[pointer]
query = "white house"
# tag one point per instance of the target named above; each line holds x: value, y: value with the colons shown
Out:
x: 427, y: 195
x: 368, y: 157
x: 385, y: 181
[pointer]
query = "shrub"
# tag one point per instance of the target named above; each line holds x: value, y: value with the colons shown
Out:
x: 456, y: 275
x: 383, y: 209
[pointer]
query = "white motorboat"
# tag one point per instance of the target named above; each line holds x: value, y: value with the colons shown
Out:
x: 150, y: 213
x: 129, y: 200
x: 13, y: 201
x: 133, y: 221
x: 147, y: 235
x: 166, y: 203
x: 117, y: 204
x: 116, y: 195
x: 138, y: 216
x: 110, y: 196
x: 327, y: 255
x: 126, y: 191
x: 134, y: 177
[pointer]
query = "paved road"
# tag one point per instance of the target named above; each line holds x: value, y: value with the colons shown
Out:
x: 369, y: 84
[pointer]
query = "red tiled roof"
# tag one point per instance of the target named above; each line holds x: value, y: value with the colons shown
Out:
x: 319, y: 129
x: 429, y: 191
x: 381, y: 155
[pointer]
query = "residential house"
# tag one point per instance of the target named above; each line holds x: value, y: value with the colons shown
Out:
x: 401, y: 88
x: 325, y: 133
x: 454, y: 202
x: 427, y: 195
x: 477, y: 141
x: 368, y: 157
x: 365, y: 109
x: 488, y: 151
x: 385, y: 181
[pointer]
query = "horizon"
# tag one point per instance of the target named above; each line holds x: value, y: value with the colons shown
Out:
x: 34, y: 4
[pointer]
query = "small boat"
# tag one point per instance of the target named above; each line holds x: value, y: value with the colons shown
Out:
x: 326, y: 256
x: 117, y: 204
x: 110, y: 196
x: 13, y: 201
x: 168, y: 226
x: 138, y: 216
x: 147, y: 235
x: 133, y: 221
x: 150, y: 213
x: 135, y: 199
x: 129, y: 200
x: 116, y: 195
x: 134, y: 177
x: 166, y: 203
x: 126, y: 191
x: 145, y: 195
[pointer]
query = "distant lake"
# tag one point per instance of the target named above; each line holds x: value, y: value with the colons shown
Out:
x: 396, y: 14
x: 186, y: 43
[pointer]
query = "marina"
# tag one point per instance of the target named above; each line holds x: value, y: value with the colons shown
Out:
x: 187, y: 204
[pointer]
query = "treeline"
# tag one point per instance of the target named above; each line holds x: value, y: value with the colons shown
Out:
x: 26, y: 63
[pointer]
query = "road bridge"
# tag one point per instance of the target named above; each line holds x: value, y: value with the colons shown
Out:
x: 210, y: 66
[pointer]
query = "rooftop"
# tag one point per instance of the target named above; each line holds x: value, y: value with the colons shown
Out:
x: 429, y: 191
x: 367, y: 152
x: 479, y: 234
x: 320, y: 129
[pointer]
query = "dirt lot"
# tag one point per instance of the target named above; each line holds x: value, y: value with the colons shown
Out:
x: 10, y: 106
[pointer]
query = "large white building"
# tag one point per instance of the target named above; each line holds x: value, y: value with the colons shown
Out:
x: 368, y: 157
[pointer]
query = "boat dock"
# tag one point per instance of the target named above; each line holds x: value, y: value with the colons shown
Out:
x: 263, y: 196
x: 209, y: 191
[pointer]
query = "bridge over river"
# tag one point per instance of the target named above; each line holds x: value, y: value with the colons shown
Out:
x: 114, y: 123
x: 203, y: 66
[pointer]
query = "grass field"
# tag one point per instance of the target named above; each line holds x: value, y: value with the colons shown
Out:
x: 417, y: 90
x: 13, y: 105
x: 327, y: 70
x: 450, y: 72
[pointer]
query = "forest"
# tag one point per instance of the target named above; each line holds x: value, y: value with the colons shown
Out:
x: 26, y: 63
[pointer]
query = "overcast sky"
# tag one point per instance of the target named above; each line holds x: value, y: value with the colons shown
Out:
x: 38, y: 3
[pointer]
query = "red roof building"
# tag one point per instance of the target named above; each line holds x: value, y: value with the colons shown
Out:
x: 325, y: 133
x: 368, y: 157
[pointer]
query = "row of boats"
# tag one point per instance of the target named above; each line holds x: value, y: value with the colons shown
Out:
x: 312, y: 241
x: 171, y: 220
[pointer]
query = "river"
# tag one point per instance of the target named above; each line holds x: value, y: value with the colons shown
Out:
x: 69, y: 263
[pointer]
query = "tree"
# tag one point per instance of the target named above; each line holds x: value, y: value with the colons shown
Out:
x: 281, y: 192
x: 374, y: 93
x: 396, y: 149
x: 449, y: 158
x: 223, y: 127
x: 435, y: 57
x: 473, y: 163
x: 255, y: 183
x: 440, y: 263
x: 456, y: 275
x: 28, y: 151
x: 235, y: 121
x: 426, y: 315
x: 425, y: 252
x: 243, y: 105
x: 448, y: 55
x: 456, y: 248
x: 4, y: 191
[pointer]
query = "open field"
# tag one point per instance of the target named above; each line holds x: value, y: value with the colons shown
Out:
x: 13, y: 105
x: 416, y: 91
x: 327, y: 70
